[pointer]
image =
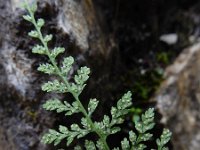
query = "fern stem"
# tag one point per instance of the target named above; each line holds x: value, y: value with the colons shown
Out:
x: 99, y: 133
x: 58, y: 71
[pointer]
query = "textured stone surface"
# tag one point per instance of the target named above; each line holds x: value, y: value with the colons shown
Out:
x: 178, y: 99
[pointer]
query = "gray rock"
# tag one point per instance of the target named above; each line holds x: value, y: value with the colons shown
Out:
x: 178, y: 99
x: 169, y: 39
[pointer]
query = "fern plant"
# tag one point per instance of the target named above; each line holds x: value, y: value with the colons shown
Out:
x: 104, y: 128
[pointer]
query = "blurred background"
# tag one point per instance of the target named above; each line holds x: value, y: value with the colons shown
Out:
x: 150, y: 47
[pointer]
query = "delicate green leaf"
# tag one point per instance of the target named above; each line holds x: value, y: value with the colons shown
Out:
x: 146, y: 136
x: 149, y: 126
x: 113, y: 111
x: 75, y: 127
x: 27, y: 18
x: 141, y: 147
x: 139, y: 127
x: 125, y: 101
x: 53, y: 136
x: 82, y: 133
x: 89, y: 145
x: 147, y: 122
x: 125, y: 144
x: 93, y: 103
x: 40, y: 23
x: 49, y: 137
x: 116, y: 116
x: 105, y: 127
x: 56, y: 51
x: 78, y: 131
x: 132, y: 137
x: 73, y: 109
x: 121, y: 110
x: 55, y: 86
x: 57, y: 137
x: 164, y: 139
x: 33, y: 7
x: 67, y: 65
x: 83, y: 75
x: 76, y: 88
x: 148, y: 116
x: 77, y: 147
x: 86, y: 124
x: 70, y: 139
x: 34, y: 34
x: 115, y: 130
x: 48, y: 38
x: 39, y: 49
x: 99, y: 125
x: 100, y: 145
x: 57, y: 105
x: 47, y: 68
x: 80, y: 79
x: 63, y: 130
x: 106, y: 121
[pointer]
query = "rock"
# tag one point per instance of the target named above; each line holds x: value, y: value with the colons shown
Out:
x: 74, y: 22
x: 178, y: 99
x: 169, y: 39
